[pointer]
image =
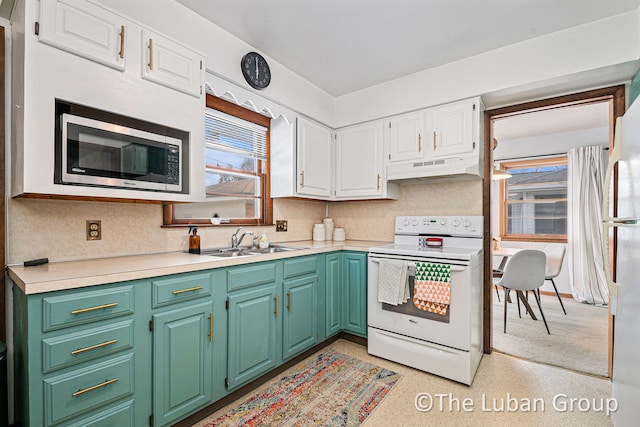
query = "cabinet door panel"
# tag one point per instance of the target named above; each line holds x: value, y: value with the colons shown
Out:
x: 333, y: 293
x: 453, y: 129
x: 300, y: 320
x: 85, y: 29
x: 171, y: 64
x: 362, y: 146
x: 182, y: 361
x: 315, y: 160
x: 354, y: 275
x: 252, y: 334
x: 405, y: 137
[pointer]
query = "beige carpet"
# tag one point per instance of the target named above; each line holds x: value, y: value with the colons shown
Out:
x: 578, y: 341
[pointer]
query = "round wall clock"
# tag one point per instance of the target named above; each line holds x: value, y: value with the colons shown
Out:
x: 255, y: 70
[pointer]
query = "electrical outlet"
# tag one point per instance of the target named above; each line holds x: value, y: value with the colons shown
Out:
x: 281, y: 225
x: 94, y: 229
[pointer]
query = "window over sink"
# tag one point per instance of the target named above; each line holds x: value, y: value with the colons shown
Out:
x: 236, y: 169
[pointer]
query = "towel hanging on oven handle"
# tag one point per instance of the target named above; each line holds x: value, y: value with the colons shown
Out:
x: 413, y: 265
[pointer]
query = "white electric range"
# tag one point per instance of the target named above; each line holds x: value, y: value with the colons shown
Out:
x: 446, y: 345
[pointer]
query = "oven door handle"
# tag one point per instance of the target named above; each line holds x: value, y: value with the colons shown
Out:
x: 413, y: 264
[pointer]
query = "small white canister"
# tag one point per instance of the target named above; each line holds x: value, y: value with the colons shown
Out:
x: 328, y: 228
x: 318, y: 232
x: 338, y: 234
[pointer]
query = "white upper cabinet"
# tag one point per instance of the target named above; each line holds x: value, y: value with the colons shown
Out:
x: 360, y: 171
x: 453, y: 129
x: 85, y: 29
x: 171, y: 64
x: 406, y: 134
x: 315, y: 159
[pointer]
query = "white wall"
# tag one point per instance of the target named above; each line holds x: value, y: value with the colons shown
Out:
x: 595, y: 54
x: 539, y: 146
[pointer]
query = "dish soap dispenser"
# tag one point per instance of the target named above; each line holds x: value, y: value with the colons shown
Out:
x: 194, y: 240
x: 264, y: 241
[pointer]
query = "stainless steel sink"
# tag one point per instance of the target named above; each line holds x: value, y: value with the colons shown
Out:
x: 271, y: 250
x: 242, y: 252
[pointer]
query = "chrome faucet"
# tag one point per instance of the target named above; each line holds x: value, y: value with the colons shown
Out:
x: 235, y: 241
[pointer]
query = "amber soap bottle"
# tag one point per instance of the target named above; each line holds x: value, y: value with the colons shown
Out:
x: 194, y: 240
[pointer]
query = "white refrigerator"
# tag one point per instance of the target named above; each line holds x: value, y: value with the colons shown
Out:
x: 624, y: 294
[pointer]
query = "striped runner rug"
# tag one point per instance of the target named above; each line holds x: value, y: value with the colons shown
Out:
x: 327, y: 389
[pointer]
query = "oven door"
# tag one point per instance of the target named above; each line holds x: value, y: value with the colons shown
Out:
x: 452, y: 330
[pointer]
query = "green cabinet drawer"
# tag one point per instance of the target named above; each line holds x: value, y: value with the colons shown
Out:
x: 300, y: 266
x: 78, y: 347
x: 121, y: 415
x: 251, y: 275
x: 83, y: 390
x: 180, y: 288
x: 76, y: 308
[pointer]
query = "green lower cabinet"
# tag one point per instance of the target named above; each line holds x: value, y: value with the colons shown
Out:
x: 252, y: 331
x: 182, y: 361
x: 354, y: 279
x: 333, y: 294
x: 300, y: 317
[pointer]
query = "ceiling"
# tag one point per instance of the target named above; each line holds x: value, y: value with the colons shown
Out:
x: 345, y: 45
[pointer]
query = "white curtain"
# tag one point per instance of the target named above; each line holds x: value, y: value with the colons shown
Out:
x: 586, y: 167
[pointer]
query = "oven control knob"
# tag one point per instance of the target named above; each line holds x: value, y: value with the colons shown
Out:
x: 466, y: 223
x: 456, y: 222
x: 443, y: 222
x: 415, y: 222
x: 405, y: 222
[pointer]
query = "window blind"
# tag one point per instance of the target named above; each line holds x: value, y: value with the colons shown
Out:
x: 234, y: 135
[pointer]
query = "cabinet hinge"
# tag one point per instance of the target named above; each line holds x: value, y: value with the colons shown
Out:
x: 201, y: 64
x: 37, y: 29
x: 389, y: 125
x: 226, y: 382
x: 200, y: 90
x: 474, y: 145
x: 150, y: 420
x: 151, y: 325
x: 389, y: 156
x: 474, y: 107
x: 226, y: 304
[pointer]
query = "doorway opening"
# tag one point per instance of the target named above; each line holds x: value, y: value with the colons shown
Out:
x: 514, y: 217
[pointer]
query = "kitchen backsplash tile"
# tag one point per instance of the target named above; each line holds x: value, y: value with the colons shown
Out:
x: 56, y: 228
x: 374, y: 219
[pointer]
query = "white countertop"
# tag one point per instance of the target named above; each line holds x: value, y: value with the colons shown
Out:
x: 58, y: 276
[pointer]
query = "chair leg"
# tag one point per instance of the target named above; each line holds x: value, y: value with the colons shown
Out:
x: 497, y: 293
x: 558, y: 295
x: 506, y: 295
x: 541, y: 312
x: 518, y: 301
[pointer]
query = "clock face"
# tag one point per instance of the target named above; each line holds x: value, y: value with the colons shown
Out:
x: 255, y: 70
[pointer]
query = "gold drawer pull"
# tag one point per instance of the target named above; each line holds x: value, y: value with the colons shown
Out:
x: 121, y: 53
x: 276, y: 305
x: 210, y: 327
x: 93, y: 347
x: 150, y: 54
x: 98, y: 307
x: 86, y: 390
x: 181, y: 291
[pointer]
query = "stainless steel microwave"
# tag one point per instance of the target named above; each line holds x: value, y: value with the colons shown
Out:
x: 106, y: 152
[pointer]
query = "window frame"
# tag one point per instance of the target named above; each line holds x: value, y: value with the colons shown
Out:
x: 266, y: 211
x: 504, y: 206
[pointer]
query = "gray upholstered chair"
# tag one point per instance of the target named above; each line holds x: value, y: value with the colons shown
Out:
x: 555, y: 256
x: 525, y: 271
